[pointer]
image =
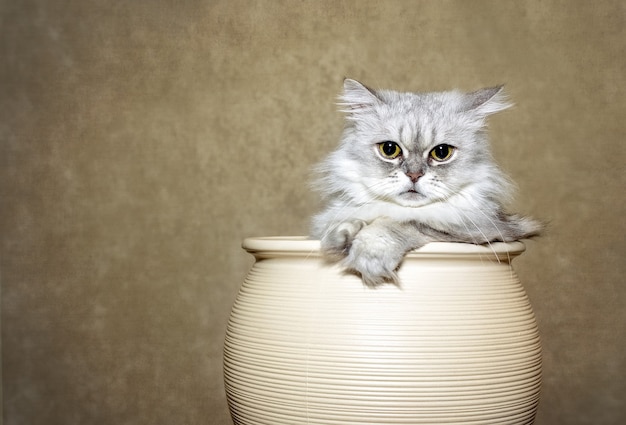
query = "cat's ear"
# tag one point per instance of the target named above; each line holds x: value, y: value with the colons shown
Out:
x: 357, y: 97
x: 486, y: 101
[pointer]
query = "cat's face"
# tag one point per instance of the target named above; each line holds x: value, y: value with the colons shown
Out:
x: 415, y: 149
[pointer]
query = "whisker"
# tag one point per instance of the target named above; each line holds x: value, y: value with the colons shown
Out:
x: 472, y: 202
x: 442, y: 192
x: 479, y: 230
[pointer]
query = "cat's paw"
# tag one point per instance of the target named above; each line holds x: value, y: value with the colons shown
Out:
x: 374, y: 256
x: 337, y: 241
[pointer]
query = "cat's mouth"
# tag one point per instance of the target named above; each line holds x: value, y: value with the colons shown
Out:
x: 412, y: 198
x: 412, y: 195
x: 412, y: 192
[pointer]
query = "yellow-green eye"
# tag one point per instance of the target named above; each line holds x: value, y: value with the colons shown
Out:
x: 389, y: 150
x: 441, y: 153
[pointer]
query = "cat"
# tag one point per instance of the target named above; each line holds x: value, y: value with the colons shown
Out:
x: 412, y: 168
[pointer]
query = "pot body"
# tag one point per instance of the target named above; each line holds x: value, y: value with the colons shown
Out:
x: 456, y: 342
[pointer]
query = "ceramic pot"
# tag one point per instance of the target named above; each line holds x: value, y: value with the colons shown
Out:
x: 455, y: 343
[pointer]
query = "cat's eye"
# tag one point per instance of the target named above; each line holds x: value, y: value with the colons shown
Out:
x: 442, y: 153
x: 389, y: 150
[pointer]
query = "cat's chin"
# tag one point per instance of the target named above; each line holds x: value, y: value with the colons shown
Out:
x: 412, y: 199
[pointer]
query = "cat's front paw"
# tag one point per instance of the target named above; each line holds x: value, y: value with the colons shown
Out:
x: 337, y: 241
x: 374, y: 256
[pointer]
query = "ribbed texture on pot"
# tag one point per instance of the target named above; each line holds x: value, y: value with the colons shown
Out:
x: 455, y: 343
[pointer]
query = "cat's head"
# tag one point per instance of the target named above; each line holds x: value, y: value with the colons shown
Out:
x: 413, y: 149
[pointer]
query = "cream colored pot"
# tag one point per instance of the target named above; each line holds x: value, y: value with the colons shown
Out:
x: 455, y: 343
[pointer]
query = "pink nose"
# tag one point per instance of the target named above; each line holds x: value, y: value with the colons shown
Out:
x: 414, y: 176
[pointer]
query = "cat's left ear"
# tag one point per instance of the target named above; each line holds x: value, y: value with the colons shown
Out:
x: 487, y: 101
x: 357, y: 97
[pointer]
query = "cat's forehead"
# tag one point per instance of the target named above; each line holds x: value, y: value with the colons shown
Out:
x: 415, y: 116
x: 426, y: 102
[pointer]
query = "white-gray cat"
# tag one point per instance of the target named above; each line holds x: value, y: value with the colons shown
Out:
x: 412, y: 168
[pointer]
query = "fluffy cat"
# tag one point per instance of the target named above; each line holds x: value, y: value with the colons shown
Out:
x: 412, y: 168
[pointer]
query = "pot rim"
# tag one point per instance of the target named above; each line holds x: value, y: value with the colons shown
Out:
x: 298, y: 245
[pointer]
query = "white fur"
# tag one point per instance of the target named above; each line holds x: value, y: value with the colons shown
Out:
x: 387, y: 212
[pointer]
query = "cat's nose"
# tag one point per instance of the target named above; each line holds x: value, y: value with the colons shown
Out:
x: 414, y: 175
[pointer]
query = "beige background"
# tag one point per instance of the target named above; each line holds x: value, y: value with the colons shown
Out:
x: 141, y: 141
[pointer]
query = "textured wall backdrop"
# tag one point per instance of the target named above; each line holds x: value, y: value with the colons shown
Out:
x: 140, y: 141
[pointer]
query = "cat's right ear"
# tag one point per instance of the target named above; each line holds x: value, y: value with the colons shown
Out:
x: 487, y: 101
x: 357, y: 97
